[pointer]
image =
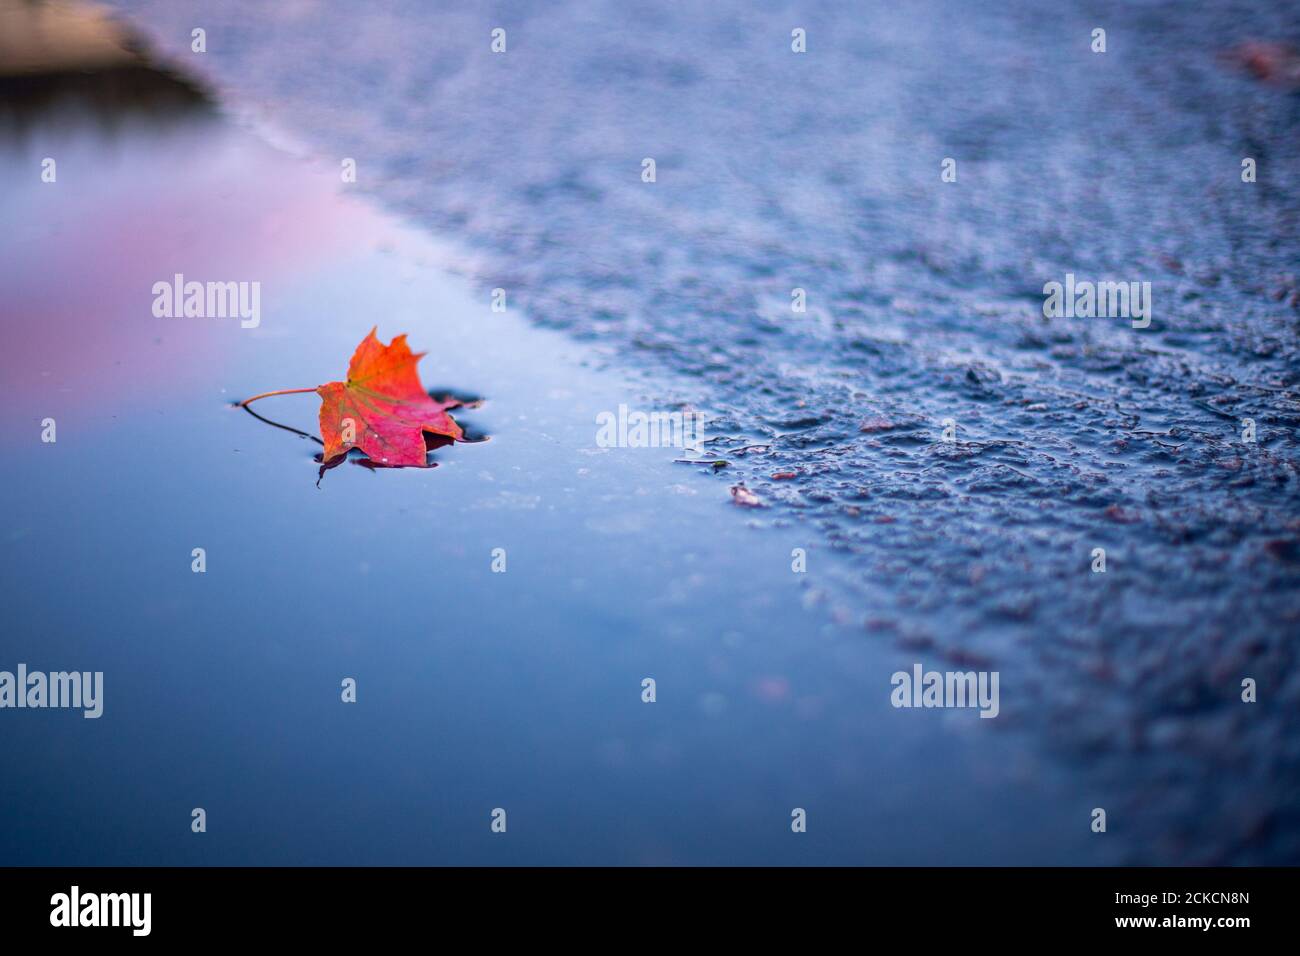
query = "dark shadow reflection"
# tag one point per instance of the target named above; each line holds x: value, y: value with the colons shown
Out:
x: 72, y: 64
x: 432, y: 442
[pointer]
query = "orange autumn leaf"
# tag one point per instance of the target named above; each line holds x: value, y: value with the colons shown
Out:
x: 382, y: 408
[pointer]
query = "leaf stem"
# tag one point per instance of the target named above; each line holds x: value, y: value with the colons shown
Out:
x: 284, y: 391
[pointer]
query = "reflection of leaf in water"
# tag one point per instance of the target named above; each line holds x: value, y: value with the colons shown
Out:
x: 287, y: 428
x: 431, y: 442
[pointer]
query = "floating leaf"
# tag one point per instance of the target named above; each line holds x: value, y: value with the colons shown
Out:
x: 382, y: 409
x: 388, y: 408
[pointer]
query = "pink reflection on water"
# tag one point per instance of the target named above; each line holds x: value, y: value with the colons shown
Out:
x: 81, y: 255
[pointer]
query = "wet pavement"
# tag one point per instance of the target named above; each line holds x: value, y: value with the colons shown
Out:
x: 821, y: 171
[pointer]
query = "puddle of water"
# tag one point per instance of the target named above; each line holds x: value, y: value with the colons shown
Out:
x: 476, y: 689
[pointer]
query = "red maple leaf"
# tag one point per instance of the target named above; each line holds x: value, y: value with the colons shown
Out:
x: 382, y: 408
